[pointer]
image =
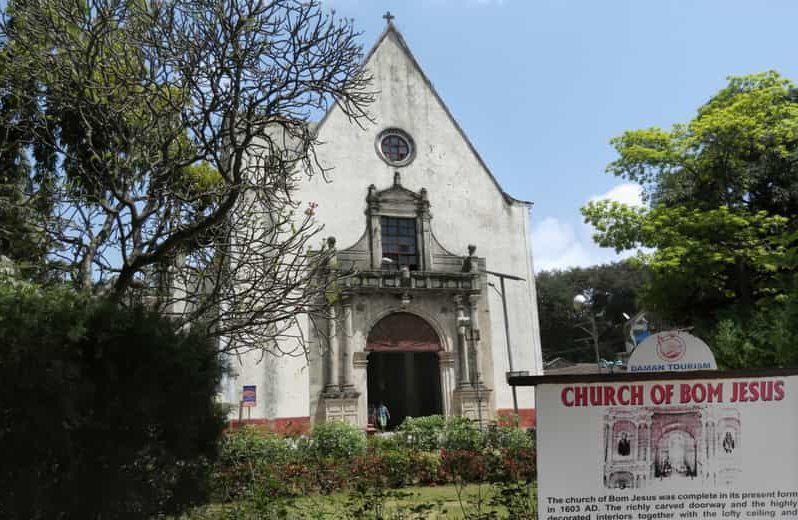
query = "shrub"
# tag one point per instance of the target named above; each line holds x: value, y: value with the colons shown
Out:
x: 337, y: 440
x: 379, y: 443
x: 251, y: 461
x: 461, y: 433
x: 423, y: 433
x: 426, y: 469
x: 464, y: 465
x: 334, y: 459
x: 104, y: 411
x: 510, y: 438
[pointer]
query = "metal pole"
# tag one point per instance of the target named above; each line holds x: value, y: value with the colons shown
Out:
x: 594, y: 334
x: 507, y: 339
x: 479, y: 400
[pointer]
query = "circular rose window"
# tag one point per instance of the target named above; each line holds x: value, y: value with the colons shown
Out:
x: 395, y: 147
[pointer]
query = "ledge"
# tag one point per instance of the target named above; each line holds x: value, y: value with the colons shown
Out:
x: 392, y: 281
x: 649, y: 376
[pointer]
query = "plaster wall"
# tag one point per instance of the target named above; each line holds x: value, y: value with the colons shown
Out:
x: 467, y: 206
x: 466, y: 203
x: 281, y: 383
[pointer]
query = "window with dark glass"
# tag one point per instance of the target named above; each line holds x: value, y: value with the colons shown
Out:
x: 395, y: 148
x: 399, y: 243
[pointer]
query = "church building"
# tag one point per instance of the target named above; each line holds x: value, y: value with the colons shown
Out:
x: 443, y: 272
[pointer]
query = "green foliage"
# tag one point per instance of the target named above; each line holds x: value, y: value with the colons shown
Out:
x: 461, y: 433
x: 255, y: 468
x: 105, y: 412
x: 723, y: 200
x: 704, y: 259
x: 510, y: 438
x: 423, y: 433
x: 767, y: 338
x: 517, y: 498
x: 246, y: 465
x: 615, y: 288
x: 142, y: 135
x: 337, y: 440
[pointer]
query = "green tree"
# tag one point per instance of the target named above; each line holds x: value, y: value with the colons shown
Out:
x: 722, y: 193
x: 176, y: 132
x: 104, y: 412
x: 615, y: 289
x: 22, y: 168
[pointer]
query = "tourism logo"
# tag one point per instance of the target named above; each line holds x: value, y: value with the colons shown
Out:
x: 671, y: 348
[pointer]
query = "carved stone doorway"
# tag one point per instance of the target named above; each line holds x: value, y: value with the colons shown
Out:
x: 403, y: 368
x: 408, y: 383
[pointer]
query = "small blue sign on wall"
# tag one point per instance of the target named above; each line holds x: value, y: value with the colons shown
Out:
x: 249, y: 396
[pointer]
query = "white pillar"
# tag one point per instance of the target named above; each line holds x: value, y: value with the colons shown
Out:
x: 464, y: 379
x: 348, y: 383
x: 473, y: 305
x: 333, y: 352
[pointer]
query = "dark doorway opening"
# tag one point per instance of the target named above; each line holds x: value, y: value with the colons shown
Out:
x: 408, y: 383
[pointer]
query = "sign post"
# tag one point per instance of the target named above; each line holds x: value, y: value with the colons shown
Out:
x: 249, y: 398
x: 688, y: 444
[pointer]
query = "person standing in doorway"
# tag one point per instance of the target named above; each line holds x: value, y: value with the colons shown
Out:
x: 383, y: 416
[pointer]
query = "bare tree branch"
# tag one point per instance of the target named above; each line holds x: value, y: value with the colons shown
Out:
x: 180, y: 129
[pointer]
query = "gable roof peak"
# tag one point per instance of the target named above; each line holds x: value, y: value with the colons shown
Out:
x: 391, y: 31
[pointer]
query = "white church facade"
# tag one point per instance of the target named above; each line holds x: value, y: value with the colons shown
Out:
x: 415, y: 213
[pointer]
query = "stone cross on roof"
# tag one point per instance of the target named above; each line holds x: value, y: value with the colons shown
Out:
x: 388, y: 17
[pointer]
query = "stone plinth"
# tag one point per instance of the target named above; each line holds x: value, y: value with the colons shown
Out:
x: 468, y: 401
x: 341, y: 408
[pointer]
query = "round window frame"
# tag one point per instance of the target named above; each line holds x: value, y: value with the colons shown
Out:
x: 411, y: 146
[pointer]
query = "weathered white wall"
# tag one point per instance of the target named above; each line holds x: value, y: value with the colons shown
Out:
x: 466, y: 204
x: 467, y: 208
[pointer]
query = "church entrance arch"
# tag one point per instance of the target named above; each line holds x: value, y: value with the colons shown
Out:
x: 403, y: 368
x: 676, y: 455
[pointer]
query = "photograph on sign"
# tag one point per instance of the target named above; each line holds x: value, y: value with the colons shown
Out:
x: 661, y: 445
x: 646, y: 449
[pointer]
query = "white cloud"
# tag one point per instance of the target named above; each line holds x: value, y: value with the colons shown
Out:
x: 627, y: 193
x: 560, y: 244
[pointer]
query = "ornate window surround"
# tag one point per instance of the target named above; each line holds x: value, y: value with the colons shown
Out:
x: 398, y: 201
x: 366, y: 254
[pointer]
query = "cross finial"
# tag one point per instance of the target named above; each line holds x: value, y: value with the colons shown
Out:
x: 388, y: 17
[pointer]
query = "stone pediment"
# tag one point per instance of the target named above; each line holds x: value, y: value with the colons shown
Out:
x: 398, y: 201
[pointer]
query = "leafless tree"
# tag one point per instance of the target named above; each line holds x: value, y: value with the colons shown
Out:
x: 177, y: 132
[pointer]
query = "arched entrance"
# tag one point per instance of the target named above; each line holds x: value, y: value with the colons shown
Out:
x: 676, y: 455
x: 403, y: 367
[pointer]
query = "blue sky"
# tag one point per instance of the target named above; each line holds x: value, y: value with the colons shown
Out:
x: 541, y: 86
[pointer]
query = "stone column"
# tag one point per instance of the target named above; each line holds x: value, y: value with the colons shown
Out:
x: 424, y: 231
x: 464, y: 379
x: 448, y: 379
x: 333, y: 352
x: 473, y: 306
x: 375, y: 233
x: 348, y: 383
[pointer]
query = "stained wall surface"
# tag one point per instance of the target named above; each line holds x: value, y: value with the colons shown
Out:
x: 467, y: 206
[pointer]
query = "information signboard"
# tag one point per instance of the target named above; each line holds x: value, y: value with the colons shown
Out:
x: 632, y: 448
x: 249, y: 396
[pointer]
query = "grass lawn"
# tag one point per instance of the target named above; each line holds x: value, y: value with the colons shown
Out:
x: 435, y: 502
